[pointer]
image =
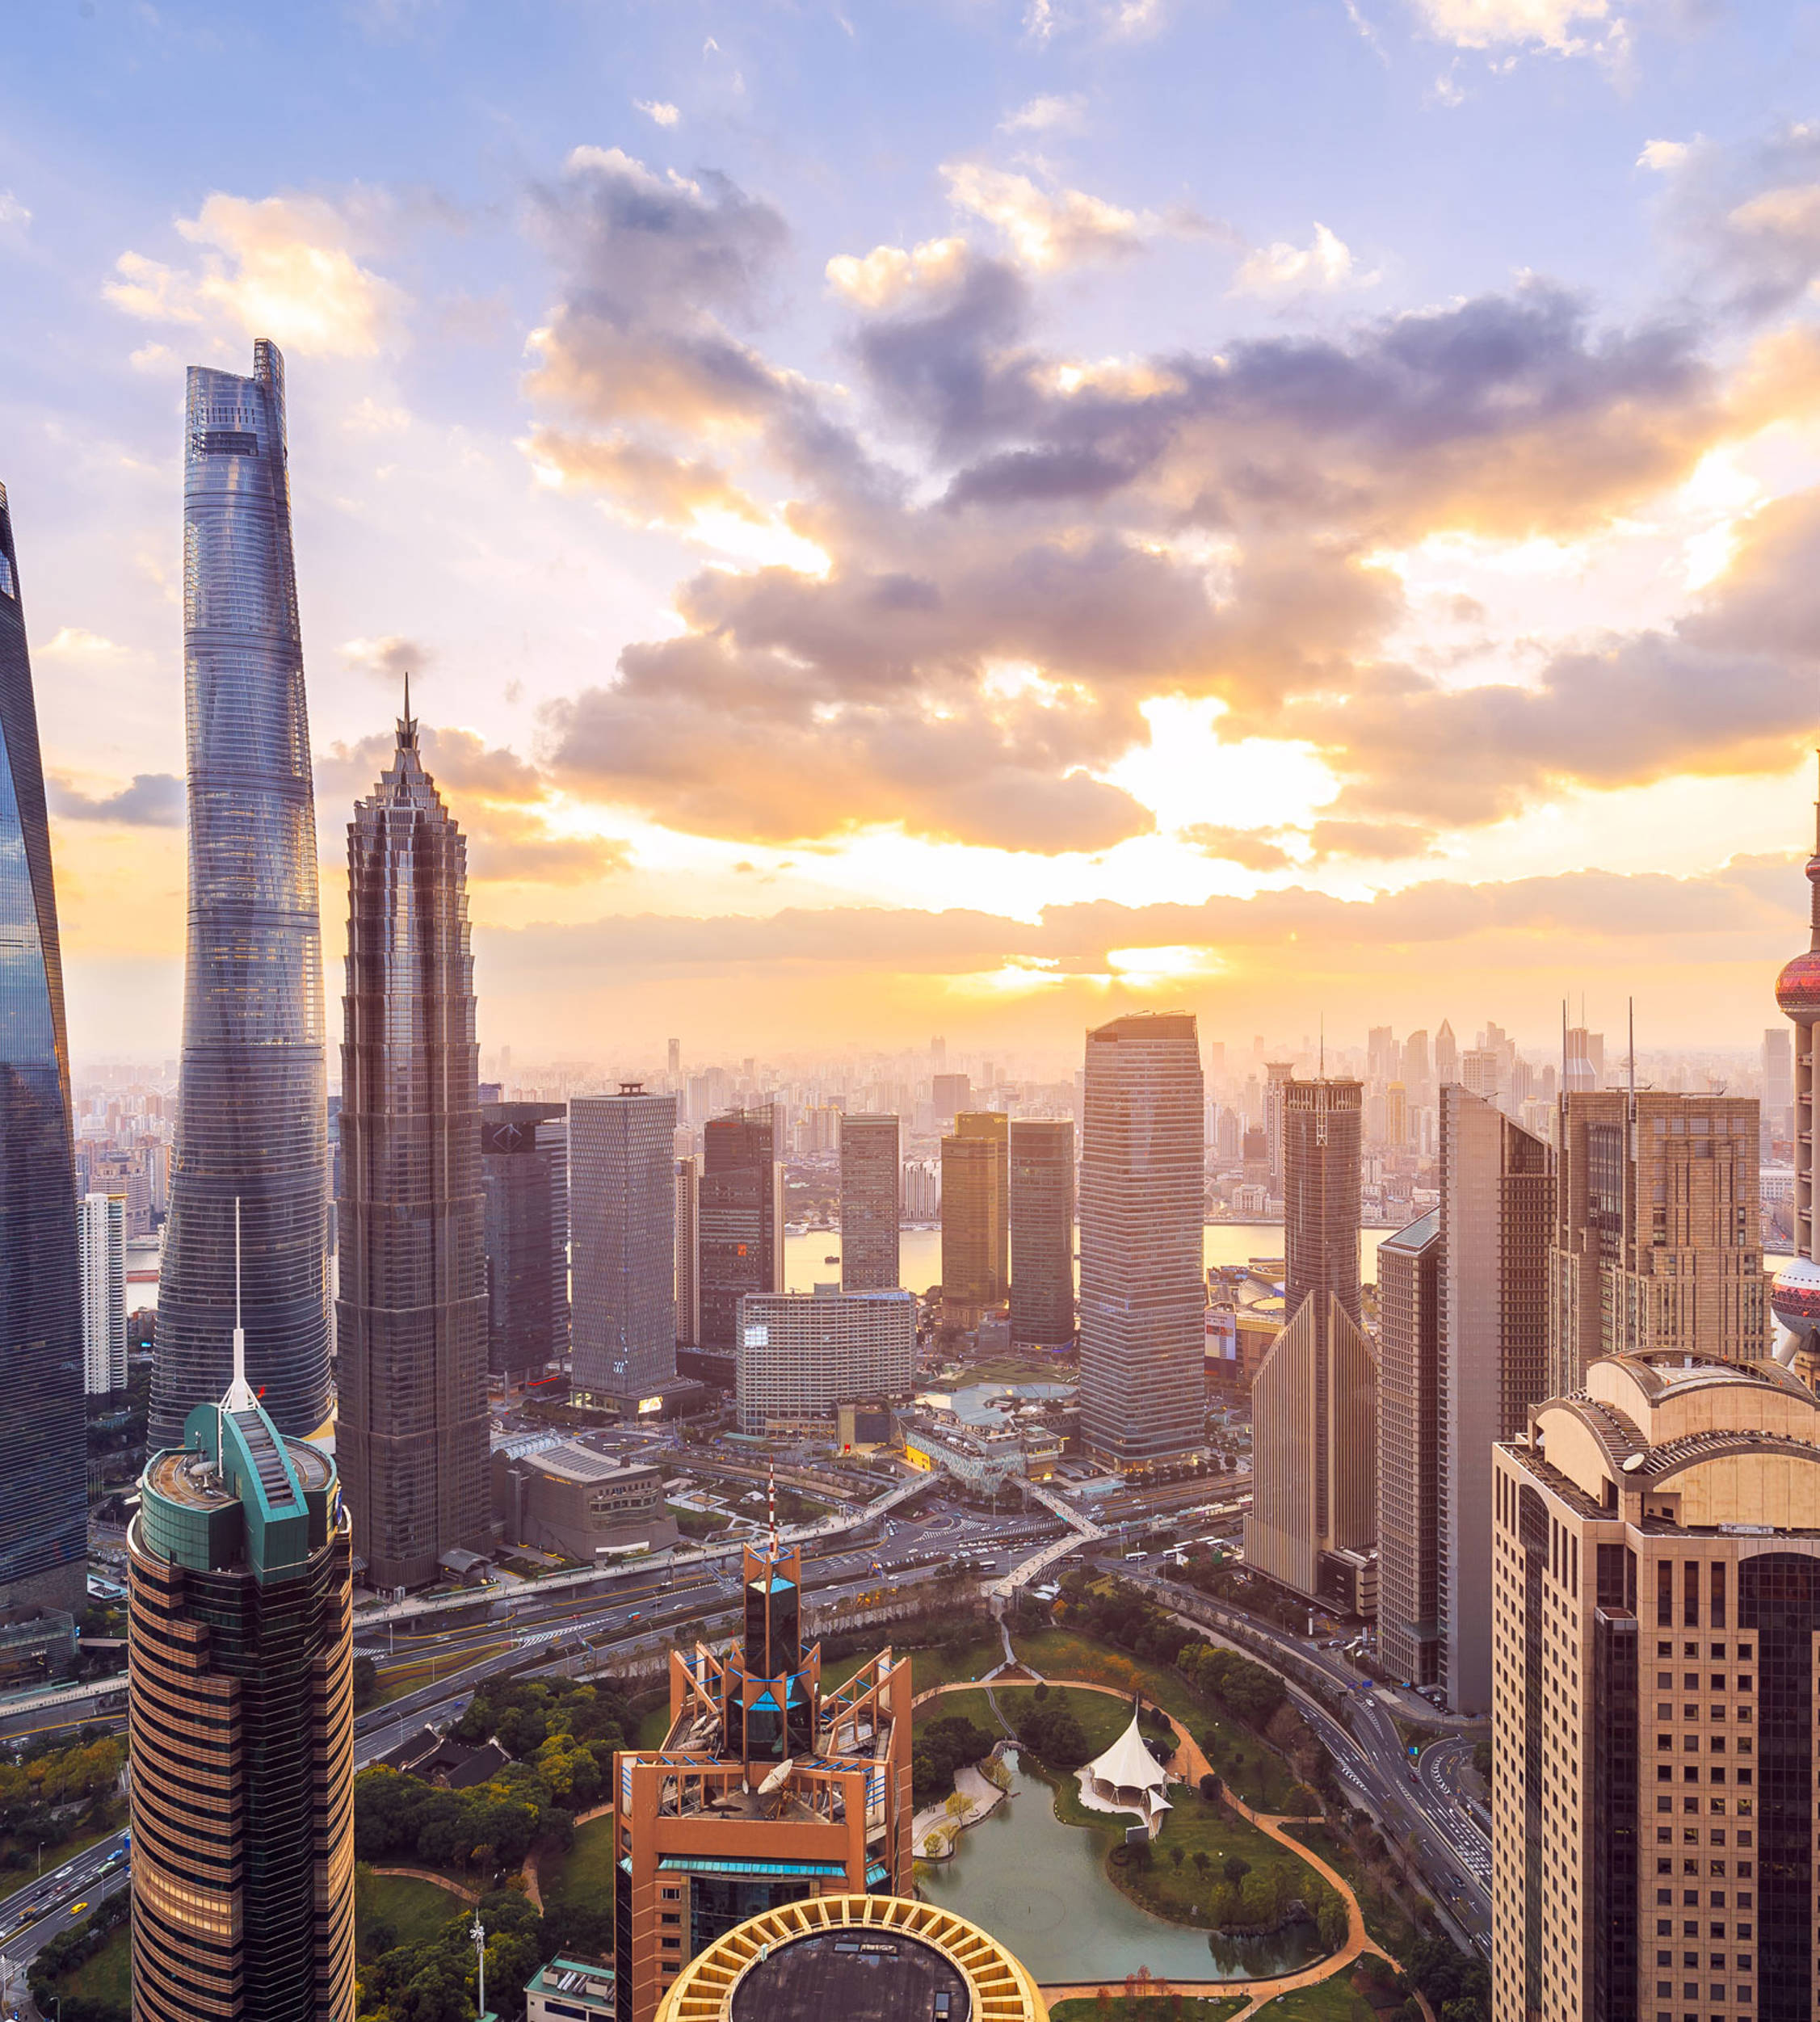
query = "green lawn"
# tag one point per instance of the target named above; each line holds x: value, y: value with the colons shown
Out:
x: 108, y: 1976
x: 413, y: 1910
x: 585, y: 1874
x: 1335, y: 2000
x: 1147, y: 2007
x: 969, y: 1705
x: 1384, y: 1918
x: 652, y: 1726
x: 970, y: 1660
x: 1255, y: 1771
x: 1102, y: 1720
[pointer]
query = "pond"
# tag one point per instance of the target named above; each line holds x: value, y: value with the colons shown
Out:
x: 1037, y: 1885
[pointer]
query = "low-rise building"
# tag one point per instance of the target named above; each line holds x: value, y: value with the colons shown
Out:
x: 557, y: 1495
x: 570, y: 1990
x: 802, y: 1354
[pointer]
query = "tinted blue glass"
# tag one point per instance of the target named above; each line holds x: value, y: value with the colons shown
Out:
x: 42, y: 1501
x: 252, y: 1115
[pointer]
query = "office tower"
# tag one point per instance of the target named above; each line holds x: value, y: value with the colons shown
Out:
x: 1497, y: 1198
x: 952, y: 1093
x: 688, y: 1252
x: 742, y: 1229
x: 879, y: 1957
x: 1314, y: 1399
x: 1142, y: 1211
x: 868, y: 1203
x: 1396, y: 1115
x: 1418, y: 1075
x: 411, y: 1306
x: 1480, y: 1072
x: 1446, y: 1055
x: 1779, y: 1087
x: 1277, y: 1073
x: 764, y: 1792
x: 101, y: 1256
x: 241, y: 1709
x: 675, y: 1058
x: 1658, y: 1235
x: 1042, y: 1221
x: 1382, y: 1055
x: 622, y: 1193
x: 802, y: 1353
x: 1797, y: 1298
x: 524, y: 1182
x: 976, y: 1227
x: 252, y: 1109
x: 1656, y: 1603
x: 44, y: 1504
x: 938, y: 1054
x: 1409, y: 1383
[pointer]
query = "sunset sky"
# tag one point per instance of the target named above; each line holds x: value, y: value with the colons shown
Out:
x: 962, y: 516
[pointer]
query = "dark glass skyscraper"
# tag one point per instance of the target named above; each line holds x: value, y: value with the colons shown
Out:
x: 43, y: 1508
x: 252, y: 1111
x: 411, y: 1434
x: 241, y: 1710
x: 524, y: 1177
x: 1042, y: 1219
x: 741, y: 1231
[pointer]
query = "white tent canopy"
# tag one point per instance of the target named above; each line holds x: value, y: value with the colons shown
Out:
x: 1127, y: 1777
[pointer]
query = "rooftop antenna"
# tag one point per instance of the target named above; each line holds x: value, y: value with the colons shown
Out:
x: 1563, y: 1045
x: 771, y: 1503
x: 1323, y: 1045
x: 239, y: 1397
x: 1630, y: 1013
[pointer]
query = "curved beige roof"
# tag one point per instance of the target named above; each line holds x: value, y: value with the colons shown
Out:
x: 1129, y: 1765
x: 999, y: 1988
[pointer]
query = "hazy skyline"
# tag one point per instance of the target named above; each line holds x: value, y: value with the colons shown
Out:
x: 960, y: 517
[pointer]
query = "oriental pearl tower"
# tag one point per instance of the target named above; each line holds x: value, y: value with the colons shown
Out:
x: 1796, y: 1299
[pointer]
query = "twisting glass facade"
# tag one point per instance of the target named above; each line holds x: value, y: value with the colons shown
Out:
x: 252, y: 1115
x: 43, y: 1508
x: 411, y: 1319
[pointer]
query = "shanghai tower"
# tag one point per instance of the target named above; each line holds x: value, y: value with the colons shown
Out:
x: 43, y: 1501
x: 411, y: 1433
x: 252, y: 1107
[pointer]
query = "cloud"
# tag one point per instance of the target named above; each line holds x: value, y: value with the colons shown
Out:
x: 1048, y: 114
x: 1488, y: 24
x: 1047, y: 229
x: 1281, y: 272
x: 388, y: 659
x: 282, y: 266
x: 153, y: 801
x: 888, y: 275
x: 1663, y: 156
x: 653, y: 266
x: 1243, y: 846
x: 657, y: 110
x: 13, y: 214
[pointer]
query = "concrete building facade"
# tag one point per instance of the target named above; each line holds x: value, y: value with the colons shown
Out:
x: 803, y: 1354
x: 1656, y: 1604
x: 622, y: 1191
x: 767, y: 1791
x: 101, y: 1259
x: 524, y: 1185
x: 1314, y: 1401
x: 1657, y: 1230
x: 868, y: 1203
x: 1041, y: 1213
x: 1142, y: 1206
x: 1408, y: 1450
x: 556, y: 1496
x: 976, y: 1225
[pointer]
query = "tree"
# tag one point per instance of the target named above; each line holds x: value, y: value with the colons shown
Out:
x: 1235, y: 1868
x: 1302, y: 1802
x: 1211, y: 1788
x: 1202, y: 1861
x: 1177, y: 1855
x: 366, y: 1683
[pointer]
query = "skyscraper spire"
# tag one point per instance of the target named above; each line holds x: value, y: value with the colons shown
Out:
x: 412, y: 1314
x: 1796, y: 1299
x: 252, y: 1120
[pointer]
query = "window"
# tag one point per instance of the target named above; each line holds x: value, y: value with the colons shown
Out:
x: 6, y: 587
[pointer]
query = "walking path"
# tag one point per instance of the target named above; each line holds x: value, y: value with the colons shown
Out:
x: 1190, y: 1757
x: 441, y: 1880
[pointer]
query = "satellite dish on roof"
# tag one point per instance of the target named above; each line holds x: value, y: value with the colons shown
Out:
x: 778, y: 1777
x: 1632, y: 1461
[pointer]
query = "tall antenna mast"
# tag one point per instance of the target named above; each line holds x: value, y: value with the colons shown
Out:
x: 771, y: 1504
x: 1630, y: 1013
x: 239, y: 1397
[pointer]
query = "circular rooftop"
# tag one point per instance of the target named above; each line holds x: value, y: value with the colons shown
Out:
x: 863, y: 1958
